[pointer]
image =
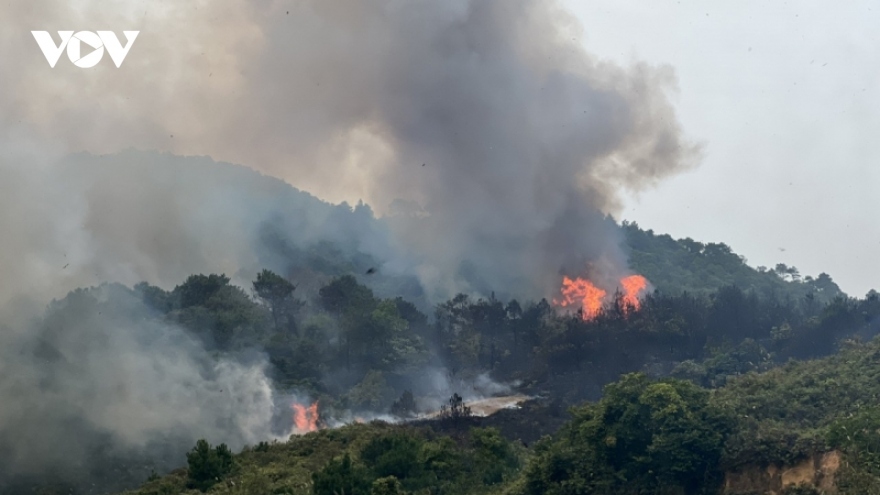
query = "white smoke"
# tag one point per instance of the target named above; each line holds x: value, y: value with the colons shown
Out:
x: 99, y: 371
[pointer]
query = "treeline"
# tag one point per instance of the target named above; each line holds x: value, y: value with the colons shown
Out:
x: 686, y: 265
x: 358, y: 351
x: 355, y: 351
x: 705, y: 338
x: 663, y: 436
x: 365, y: 459
x: 671, y: 436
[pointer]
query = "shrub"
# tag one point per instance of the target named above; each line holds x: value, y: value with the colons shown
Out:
x: 206, y: 466
x: 341, y: 476
x: 455, y: 409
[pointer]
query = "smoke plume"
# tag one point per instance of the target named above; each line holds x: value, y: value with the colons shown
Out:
x: 98, y: 379
x: 493, y: 144
x: 486, y: 124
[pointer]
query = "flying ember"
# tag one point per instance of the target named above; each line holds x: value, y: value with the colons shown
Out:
x: 305, y: 418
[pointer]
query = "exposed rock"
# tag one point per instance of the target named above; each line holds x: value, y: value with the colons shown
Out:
x: 818, y: 471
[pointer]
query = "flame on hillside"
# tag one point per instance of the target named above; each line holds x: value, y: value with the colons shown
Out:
x: 305, y: 418
x: 633, y: 287
x: 581, y: 293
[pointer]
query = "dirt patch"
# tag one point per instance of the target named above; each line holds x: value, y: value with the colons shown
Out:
x: 818, y: 471
x: 487, y: 407
x: 828, y: 467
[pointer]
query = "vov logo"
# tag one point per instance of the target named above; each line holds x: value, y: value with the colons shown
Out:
x: 97, y: 42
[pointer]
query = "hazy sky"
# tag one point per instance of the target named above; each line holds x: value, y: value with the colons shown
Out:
x: 785, y: 98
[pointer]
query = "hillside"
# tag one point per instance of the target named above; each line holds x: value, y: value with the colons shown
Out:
x: 761, y: 432
x: 668, y: 436
x: 313, y: 321
x: 675, y: 266
x: 198, y: 215
x: 203, y: 216
x: 360, y: 355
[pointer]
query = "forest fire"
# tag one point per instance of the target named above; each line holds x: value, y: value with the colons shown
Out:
x: 633, y: 286
x: 581, y: 291
x: 305, y: 418
x: 583, y: 294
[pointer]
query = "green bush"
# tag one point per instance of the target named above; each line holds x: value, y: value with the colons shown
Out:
x: 494, y: 457
x: 386, y: 486
x: 859, y: 436
x: 341, y: 476
x: 642, y: 435
x: 207, y: 466
x: 394, y: 455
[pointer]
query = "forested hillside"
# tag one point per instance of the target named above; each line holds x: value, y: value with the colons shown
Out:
x: 330, y: 247
x: 231, y: 215
x: 323, y: 324
x: 681, y: 265
x: 360, y: 355
x: 644, y: 436
x: 362, y: 351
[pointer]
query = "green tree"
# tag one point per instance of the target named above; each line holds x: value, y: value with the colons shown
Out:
x: 353, y: 304
x: 207, y: 466
x: 405, y: 406
x: 387, y: 341
x: 394, y: 455
x: 443, y: 462
x: 344, y: 295
x: 341, y: 476
x: 154, y: 297
x: 220, y: 312
x: 388, y: 485
x: 369, y: 392
x: 859, y: 435
x: 277, y: 292
x: 197, y: 289
x: 642, y: 435
x: 494, y: 458
x: 226, y: 315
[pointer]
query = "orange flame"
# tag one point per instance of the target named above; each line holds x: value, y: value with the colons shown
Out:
x: 305, y: 418
x: 632, y: 289
x: 581, y: 291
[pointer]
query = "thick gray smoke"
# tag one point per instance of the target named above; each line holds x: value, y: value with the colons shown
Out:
x: 99, y: 382
x: 133, y: 216
x: 499, y: 140
x: 98, y: 379
x: 494, y: 144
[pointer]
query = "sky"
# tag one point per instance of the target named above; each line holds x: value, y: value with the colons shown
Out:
x: 784, y: 97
